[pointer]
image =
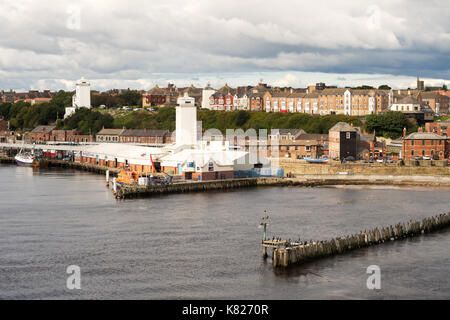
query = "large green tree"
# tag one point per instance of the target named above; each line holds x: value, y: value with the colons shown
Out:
x: 388, y: 125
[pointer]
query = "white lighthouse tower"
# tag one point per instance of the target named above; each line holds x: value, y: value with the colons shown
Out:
x: 81, y: 98
x: 186, y: 121
x: 206, y: 94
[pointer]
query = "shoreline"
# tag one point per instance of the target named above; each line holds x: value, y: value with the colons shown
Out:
x: 94, y: 168
x: 129, y: 192
x: 306, y: 180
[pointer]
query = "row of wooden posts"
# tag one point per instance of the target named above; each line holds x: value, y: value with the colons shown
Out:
x: 287, y: 253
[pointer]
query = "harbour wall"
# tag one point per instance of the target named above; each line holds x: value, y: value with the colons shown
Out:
x: 411, y: 167
x: 135, y: 191
x: 300, y: 253
x: 94, y: 168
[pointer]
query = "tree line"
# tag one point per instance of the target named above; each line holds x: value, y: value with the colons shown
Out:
x: 24, y: 116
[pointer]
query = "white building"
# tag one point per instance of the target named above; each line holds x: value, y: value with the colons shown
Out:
x: 406, y: 104
x: 81, y: 98
x: 199, y: 159
x: 186, y: 121
x: 206, y: 94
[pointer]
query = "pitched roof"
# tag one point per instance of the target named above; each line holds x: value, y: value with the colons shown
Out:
x: 291, y: 131
x: 342, y: 126
x: 432, y: 95
x: 312, y: 136
x: 335, y: 91
x: 424, y: 136
x: 41, y: 129
x: 110, y: 131
x: 157, y: 90
x: 144, y: 133
x: 311, y: 95
x: 296, y: 95
x: 407, y: 100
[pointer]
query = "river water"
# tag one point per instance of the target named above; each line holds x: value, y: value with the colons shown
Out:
x: 207, y: 245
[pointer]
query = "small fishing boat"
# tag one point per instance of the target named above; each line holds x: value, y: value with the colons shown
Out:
x: 313, y: 160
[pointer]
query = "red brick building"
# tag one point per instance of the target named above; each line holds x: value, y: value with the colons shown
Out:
x: 42, y: 134
x: 429, y: 144
x: 145, y: 136
x: 440, y: 128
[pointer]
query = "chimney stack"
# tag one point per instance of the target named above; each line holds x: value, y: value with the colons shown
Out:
x: 404, y: 132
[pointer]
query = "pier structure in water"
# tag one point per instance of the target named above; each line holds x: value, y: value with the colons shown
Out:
x: 286, y: 252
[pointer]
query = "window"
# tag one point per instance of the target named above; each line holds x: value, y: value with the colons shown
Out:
x: 423, y: 152
x: 210, y: 166
x: 347, y: 135
x: 412, y: 152
x: 423, y: 142
x: 412, y: 142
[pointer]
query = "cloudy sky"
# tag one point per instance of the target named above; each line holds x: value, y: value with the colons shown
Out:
x: 121, y: 44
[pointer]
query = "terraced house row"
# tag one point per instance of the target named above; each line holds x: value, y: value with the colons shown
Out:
x: 315, y: 99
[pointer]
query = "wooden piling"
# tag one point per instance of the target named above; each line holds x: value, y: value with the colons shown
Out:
x: 286, y: 253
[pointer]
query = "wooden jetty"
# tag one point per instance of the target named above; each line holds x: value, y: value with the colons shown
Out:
x: 286, y: 253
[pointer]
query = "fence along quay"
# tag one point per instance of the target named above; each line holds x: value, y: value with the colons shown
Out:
x: 286, y: 253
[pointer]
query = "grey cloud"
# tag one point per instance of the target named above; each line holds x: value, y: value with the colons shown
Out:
x: 136, y: 40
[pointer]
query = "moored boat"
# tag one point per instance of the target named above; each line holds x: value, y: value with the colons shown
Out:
x: 313, y: 160
x: 26, y: 159
x: 127, y: 177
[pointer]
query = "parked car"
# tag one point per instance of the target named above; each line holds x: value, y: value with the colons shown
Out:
x: 389, y: 160
x: 371, y: 160
x: 126, y: 108
x: 380, y: 160
x: 417, y: 158
x: 426, y: 158
x: 350, y: 159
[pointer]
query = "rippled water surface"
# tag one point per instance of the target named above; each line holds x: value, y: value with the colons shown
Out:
x: 207, y: 245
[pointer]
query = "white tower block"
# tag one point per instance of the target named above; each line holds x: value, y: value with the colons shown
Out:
x: 186, y: 121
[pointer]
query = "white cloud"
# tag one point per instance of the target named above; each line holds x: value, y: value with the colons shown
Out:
x: 133, y: 41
